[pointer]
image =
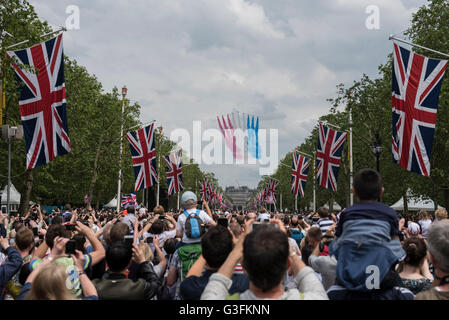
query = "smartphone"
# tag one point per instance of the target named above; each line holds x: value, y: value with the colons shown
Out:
x: 266, y: 220
x: 223, y: 222
x: 162, y: 217
x: 129, y: 239
x: 35, y: 231
x: 70, y: 247
x: 70, y: 227
x: 149, y: 240
x: 255, y: 225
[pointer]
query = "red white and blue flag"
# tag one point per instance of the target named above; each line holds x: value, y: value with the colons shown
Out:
x: 173, y: 171
x: 42, y: 101
x: 143, y: 152
x: 328, y: 156
x: 204, y: 189
x: 271, y: 191
x: 129, y: 200
x: 416, y: 89
x: 300, y: 170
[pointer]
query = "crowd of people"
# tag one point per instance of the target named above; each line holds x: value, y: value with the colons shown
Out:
x: 367, y: 251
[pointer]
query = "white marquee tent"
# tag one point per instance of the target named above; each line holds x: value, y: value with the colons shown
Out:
x: 415, y: 204
x: 14, y: 197
x: 112, y: 203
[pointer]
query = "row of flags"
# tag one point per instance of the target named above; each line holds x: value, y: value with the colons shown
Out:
x: 416, y: 85
x: 210, y: 193
x: 267, y: 195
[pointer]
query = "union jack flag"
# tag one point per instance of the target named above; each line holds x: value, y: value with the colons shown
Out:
x: 129, y: 200
x: 42, y: 101
x: 143, y: 152
x: 271, y: 191
x: 203, y: 189
x: 300, y: 170
x: 173, y: 171
x: 328, y: 156
x: 416, y: 89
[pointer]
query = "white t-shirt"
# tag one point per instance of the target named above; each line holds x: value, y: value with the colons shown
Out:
x: 182, y: 221
x: 263, y: 216
x: 425, y: 225
x: 164, y: 235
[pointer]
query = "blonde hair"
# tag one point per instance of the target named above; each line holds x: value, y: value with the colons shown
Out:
x: 441, y: 214
x: 50, y: 284
x: 423, y: 214
x: 148, y: 254
x: 159, y: 210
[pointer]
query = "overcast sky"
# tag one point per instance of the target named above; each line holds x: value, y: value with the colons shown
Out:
x: 186, y: 60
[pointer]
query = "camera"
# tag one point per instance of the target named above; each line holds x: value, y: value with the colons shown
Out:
x: 255, y: 225
x: 162, y: 217
x: 223, y: 222
x: 70, y: 226
x: 129, y: 239
x: 149, y: 240
x: 70, y: 247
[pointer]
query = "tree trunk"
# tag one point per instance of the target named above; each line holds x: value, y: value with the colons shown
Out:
x: 446, y: 197
x: 25, y: 198
x: 95, y: 170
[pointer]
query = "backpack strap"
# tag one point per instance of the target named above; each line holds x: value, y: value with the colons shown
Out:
x: 235, y: 296
x: 197, y: 213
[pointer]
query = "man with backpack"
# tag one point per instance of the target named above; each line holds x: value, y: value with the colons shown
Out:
x: 190, y: 227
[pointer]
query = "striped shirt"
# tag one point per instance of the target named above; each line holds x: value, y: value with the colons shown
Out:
x: 324, y: 224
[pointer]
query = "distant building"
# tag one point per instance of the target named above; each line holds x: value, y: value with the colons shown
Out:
x: 239, y: 196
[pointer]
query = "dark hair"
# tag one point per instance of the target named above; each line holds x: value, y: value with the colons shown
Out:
x: 170, y: 245
x: 57, y: 220
x: 306, y: 252
x: 56, y: 230
x: 118, y: 232
x: 157, y: 227
x: 416, y: 250
x: 130, y: 210
x: 216, y: 245
x: 323, y: 212
x: 80, y: 240
x: 368, y: 184
x: 265, y: 256
x: 118, y: 256
x: 24, y: 238
x: 68, y: 207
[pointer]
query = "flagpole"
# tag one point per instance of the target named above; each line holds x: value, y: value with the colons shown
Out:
x: 314, y: 182
x: 159, y: 165
x: 44, y: 35
x: 296, y: 203
x: 391, y: 37
x: 124, y: 91
x: 351, y: 178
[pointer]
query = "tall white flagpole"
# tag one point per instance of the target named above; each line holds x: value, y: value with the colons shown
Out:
x: 124, y: 91
x: 351, y: 181
x: 314, y: 182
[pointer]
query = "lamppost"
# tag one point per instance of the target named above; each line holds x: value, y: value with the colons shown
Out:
x: 10, y: 133
x: 377, y: 150
x: 124, y: 91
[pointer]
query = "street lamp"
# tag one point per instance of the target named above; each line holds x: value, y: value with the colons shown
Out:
x: 377, y: 150
x: 124, y: 92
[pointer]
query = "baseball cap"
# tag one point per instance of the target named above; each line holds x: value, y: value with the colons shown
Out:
x: 413, y: 228
x: 187, y: 196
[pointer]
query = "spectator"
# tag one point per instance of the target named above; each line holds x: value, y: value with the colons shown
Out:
x: 263, y: 215
x: 438, y: 251
x: 24, y: 244
x: 216, y: 245
x: 115, y: 285
x: 324, y: 222
x: 440, y: 215
x: 367, y: 235
x: 424, y: 222
x: 266, y: 256
x: 49, y: 280
x: 11, y: 264
x: 55, y: 234
x: 130, y: 218
x: 415, y: 273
